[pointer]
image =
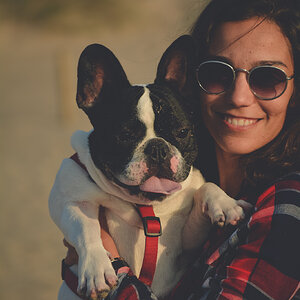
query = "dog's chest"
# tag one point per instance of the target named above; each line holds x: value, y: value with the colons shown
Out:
x: 130, y: 242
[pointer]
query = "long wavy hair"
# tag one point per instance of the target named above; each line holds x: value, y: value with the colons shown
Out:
x: 281, y: 155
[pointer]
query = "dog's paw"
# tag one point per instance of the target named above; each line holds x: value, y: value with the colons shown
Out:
x: 224, y: 212
x: 219, y: 207
x: 96, y: 276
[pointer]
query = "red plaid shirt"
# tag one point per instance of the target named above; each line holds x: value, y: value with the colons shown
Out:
x: 260, y: 259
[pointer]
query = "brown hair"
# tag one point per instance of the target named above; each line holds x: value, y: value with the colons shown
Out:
x: 282, y: 155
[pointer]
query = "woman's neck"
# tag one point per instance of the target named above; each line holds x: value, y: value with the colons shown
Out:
x: 230, y: 172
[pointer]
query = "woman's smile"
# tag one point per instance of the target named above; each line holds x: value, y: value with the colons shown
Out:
x: 238, y: 122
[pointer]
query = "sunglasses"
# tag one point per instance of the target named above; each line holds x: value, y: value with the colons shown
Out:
x: 266, y: 82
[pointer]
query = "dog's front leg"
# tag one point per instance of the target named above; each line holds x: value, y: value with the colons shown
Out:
x: 81, y: 229
x: 211, y: 206
x: 74, y: 205
x: 196, y: 228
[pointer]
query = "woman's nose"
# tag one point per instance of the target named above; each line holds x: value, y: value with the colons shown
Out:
x: 241, y: 94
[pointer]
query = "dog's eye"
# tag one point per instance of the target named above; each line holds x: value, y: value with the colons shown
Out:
x: 182, y: 133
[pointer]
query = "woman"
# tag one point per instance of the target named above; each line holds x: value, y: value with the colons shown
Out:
x: 248, y: 73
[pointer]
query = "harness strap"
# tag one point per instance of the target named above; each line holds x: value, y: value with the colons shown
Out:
x: 70, y: 278
x: 75, y: 157
x: 152, y: 229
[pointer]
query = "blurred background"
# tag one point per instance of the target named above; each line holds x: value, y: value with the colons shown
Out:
x: 40, y: 42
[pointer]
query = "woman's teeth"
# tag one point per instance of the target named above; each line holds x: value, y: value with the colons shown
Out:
x: 239, y: 122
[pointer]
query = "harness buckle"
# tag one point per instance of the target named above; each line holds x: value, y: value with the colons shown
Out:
x: 146, y: 226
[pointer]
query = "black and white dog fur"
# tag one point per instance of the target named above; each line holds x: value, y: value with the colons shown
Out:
x: 141, y: 151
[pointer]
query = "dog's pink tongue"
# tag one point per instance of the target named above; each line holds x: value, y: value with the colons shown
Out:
x: 160, y: 185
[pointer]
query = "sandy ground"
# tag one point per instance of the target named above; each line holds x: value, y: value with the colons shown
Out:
x: 38, y: 115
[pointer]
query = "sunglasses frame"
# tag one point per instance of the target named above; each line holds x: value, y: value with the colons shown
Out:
x: 248, y: 73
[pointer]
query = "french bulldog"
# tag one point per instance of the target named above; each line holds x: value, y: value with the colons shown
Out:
x: 140, y: 151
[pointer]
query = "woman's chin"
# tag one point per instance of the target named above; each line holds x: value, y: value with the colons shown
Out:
x: 239, y: 146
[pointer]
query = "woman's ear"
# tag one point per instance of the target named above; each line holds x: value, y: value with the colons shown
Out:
x: 292, y: 102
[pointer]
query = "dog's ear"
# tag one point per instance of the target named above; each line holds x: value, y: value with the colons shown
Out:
x: 177, y: 63
x: 99, y: 73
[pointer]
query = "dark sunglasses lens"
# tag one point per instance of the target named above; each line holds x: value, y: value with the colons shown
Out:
x: 215, y: 77
x: 267, y: 82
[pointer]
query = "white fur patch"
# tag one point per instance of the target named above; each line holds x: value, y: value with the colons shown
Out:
x: 146, y: 115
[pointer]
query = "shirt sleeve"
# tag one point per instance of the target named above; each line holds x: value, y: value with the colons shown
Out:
x: 267, y: 265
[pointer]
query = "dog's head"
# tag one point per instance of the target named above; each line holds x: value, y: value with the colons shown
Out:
x: 143, y: 138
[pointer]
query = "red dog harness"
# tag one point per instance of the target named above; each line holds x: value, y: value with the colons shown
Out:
x: 152, y: 230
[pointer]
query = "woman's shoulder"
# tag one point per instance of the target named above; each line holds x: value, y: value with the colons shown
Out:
x: 290, y: 179
x: 284, y: 190
x: 288, y: 183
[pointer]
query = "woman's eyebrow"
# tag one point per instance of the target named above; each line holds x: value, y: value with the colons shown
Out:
x: 218, y: 58
x: 271, y: 63
x: 258, y: 63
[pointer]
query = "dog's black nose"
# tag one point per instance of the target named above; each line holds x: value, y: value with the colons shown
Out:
x: 157, y: 150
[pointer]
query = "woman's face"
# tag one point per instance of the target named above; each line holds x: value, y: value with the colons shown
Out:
x: 238, y: 121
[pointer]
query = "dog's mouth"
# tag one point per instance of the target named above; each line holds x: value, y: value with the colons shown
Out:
x: 153, y: 188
